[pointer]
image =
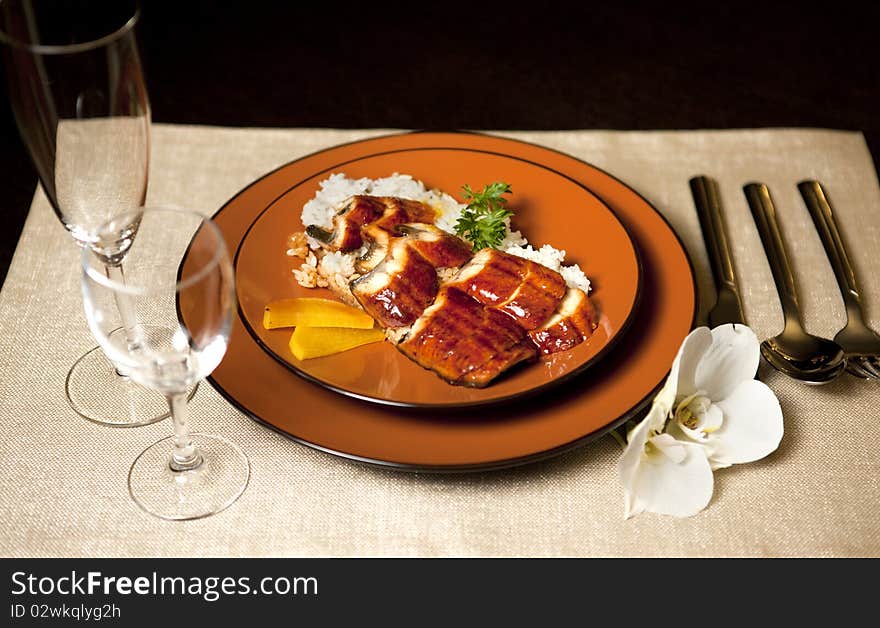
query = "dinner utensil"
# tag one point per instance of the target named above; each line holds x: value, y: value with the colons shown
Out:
x: 178, y: 321
x: 78, y: 94
x: 860, y: 342
x: 728, y: 304
x: 457, y: 440
x: 794, y: 352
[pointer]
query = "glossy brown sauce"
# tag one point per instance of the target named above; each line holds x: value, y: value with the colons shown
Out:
x: 464, y: 342
x: 568, y: 331
x: 361, y: 210
x: 398, y: 290
x: 382, y: 211
x: 447, y: 251
x: 521, y: 288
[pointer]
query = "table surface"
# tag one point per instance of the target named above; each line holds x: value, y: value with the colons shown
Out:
x: 468, y: 66
x: 63, y: 479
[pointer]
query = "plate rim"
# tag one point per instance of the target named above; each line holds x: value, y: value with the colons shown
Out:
x: 506, y: 463
x: 533, y: 391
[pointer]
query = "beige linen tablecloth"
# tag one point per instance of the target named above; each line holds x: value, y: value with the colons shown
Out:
x: 63, y: 479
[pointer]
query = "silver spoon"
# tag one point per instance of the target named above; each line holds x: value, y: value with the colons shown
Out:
x: 794, y: 352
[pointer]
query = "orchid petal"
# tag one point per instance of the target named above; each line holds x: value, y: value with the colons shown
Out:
x: 654, y: 421
x: 679, y: 489
x: 752, y: 425
x: 635, y: 448
x: 628, y: 465
x: 669, y: 447
x: 665, y: 399
x: 712, y: 420
x: 687, y: 361
x: 731, y: 359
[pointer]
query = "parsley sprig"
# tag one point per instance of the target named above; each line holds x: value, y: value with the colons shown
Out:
x: 482, y: 221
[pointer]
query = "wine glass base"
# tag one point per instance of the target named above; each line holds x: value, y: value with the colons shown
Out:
x: 98, y: 393
x: 178, y: 495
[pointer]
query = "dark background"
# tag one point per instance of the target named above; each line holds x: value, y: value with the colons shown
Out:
x: 494, y: 66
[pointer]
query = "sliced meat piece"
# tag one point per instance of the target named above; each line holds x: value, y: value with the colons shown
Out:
x: 401, y: 210
x: 383, y: 211
x: 398, y: 290
x: 525, y: 290
x: 356, y: 212
x: 464, y: 342
x: 571, y: 324
x: 482, y: 376
x: 378, y: 240
x: 537, y: 297
x: 489, y: 278
x: 441, y: 249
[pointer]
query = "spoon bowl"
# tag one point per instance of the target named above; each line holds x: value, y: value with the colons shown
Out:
x: 794, y: 352
x: 805, y: 357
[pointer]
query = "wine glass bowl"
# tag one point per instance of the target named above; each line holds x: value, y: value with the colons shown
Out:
x: 167, y: 326
x: 162, y: 350
x: 77, y: 90
x: 80, y: 101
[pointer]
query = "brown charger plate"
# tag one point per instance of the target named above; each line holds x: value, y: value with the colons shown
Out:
x: 498, y: 436
x: 549, y: 208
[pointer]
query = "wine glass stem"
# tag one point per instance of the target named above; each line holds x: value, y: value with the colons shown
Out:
x: 126, y: 308
x: 185, y: 455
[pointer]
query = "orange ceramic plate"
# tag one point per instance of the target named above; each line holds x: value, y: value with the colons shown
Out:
x: 468, y: 439
x: 549, y: 208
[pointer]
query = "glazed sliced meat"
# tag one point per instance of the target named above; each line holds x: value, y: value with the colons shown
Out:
x: 379, y: 241
x: 398, y: 290
x: 382, y: 211
x: 440, y: 249
x: 525, y: 290
x: 482, y: 376
x: 464, y: 342
x: 355, y: 213
x: 401, y: 210
x: 571, y: 324
x: 490, y: 277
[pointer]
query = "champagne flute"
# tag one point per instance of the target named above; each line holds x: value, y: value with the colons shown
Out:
x: 181, y: 316
x: 78, y: 94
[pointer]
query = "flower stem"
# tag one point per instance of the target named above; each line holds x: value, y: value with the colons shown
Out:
x: 620, y: 440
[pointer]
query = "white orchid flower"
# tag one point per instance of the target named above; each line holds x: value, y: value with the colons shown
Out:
x: 663, y: 475
x: 711, y: 413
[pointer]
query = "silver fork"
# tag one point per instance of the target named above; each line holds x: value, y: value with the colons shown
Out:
x: 861, y: 344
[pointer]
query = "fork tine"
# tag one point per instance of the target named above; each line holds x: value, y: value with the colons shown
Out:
x: 870, y: 365
x: 854, y: 369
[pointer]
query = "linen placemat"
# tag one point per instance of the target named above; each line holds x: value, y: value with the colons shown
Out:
x: 63, y: 480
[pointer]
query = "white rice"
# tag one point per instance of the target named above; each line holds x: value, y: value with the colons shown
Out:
x: 553, y: 258
x: 338, y: 187
x: 336, y: 262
